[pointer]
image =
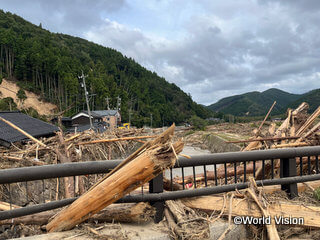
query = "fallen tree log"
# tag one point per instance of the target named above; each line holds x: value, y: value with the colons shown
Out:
x: 123, y: 213
x: 309, y: 214
x: 126, y: 177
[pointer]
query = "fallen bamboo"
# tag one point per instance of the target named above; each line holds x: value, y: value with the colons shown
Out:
x: 22, y: 131
x: 126, y: 178
x: 115, y: 140
x: 309, y: 214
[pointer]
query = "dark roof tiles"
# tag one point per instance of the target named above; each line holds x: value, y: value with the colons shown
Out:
x: 33, y: 126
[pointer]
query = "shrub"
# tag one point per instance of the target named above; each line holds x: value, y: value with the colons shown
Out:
x: 7, y: 104
x: 316, y: 194
x: 198, y: 123
x: 22, y: 95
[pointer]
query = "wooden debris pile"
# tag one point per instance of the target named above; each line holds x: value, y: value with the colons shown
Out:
x: 84, y: 146
x: 184, y: 223
x: 298, y: 129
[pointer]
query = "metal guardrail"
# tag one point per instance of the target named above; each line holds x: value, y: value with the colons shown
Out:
x: 82, y: 168
x: 288, y: 178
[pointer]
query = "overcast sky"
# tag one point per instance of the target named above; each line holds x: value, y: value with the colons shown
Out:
x: 209, y: 48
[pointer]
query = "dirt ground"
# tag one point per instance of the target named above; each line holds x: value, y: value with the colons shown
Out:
x: 10, y: 89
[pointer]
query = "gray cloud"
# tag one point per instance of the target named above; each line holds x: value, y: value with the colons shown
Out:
x: 66, y: 16
x: 223, y: 48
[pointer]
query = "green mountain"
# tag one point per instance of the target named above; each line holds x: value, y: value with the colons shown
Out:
x: 50, y: 63
x: 255, y: 103
x: 312, y: 98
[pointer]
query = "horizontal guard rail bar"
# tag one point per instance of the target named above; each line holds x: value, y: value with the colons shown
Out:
x: 154, y: 197
x: 232, y: 157
x: 82, y: 168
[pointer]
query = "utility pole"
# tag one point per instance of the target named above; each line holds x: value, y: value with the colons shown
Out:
x: 151, y: 120
x: 130, y: 117
x: 118, y: 103
x: 108, y: 106
x: 83, y: 77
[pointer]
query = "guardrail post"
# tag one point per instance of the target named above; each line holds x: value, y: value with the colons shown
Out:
x: 288, y: 169
x: 156, y: 186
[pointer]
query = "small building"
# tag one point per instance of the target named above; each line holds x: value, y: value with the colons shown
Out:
x: 111, y: 118
x: 276, y: 119
x: 65, y: 121
x: 33, y: 126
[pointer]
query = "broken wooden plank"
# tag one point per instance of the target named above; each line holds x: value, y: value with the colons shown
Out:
x: 131, y: 175
x: 310, y: 214
x: 288, y: 145
x: 4, y: 206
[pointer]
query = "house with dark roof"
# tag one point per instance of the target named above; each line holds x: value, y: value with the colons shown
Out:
x: 33, y: 126
x: 111, y: 118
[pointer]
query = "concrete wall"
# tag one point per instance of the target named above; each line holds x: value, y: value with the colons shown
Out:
x: 216, y: 144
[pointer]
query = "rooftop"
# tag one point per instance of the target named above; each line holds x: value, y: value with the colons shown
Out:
x: 33, y: 126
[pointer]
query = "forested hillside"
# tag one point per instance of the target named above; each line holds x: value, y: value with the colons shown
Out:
x: 49, y: 64
x: 258, y: 103
x: 312, y: 98
x: 255, y: 103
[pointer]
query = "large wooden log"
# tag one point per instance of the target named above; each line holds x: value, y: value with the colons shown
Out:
x: 126, y: 178
x: 123, y: 213
x: 64, y: 157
